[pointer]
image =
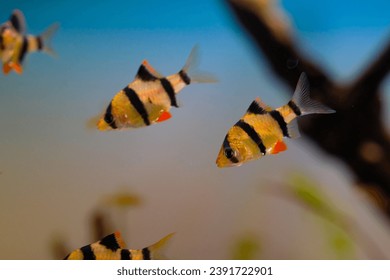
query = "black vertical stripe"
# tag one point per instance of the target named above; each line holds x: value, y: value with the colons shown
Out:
x: 110, y: 242
x: 39, y: 42
x: 252, y: 134
x: 109, y: 118
x: 23, y: 50
x: 67, y: 256
x: 282, y: 124
x: 146, y: 254
x: 15, y: 22
x: 88, y: 254
x: 125, y: 254
x: 2, y: 29
x: 2, y: 46
x: 295, y: 108
x: 169, y: 90
x: 137, y: 104
x: 186, y: 79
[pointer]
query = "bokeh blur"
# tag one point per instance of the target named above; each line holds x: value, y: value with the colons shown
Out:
x: 56, y: 175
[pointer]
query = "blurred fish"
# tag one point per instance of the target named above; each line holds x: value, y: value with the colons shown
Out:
x: 149, y: 97
x: 123, y: 200
x: 14, y: 44
x: 261, y: 130
x: 112, y: 247
x: 9, y: 31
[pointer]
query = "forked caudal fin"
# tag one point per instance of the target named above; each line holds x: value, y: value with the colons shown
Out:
x: 190, y: 71
x: 46, y: 38
x: 157, y: 249
x: 302, y: 100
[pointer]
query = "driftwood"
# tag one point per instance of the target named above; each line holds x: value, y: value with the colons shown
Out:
x: 356, y: 134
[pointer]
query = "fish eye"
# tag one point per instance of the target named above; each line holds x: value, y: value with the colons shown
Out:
x: 229, y: 153
x: 108, y: 118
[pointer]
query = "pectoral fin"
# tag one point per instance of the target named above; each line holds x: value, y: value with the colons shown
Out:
x: 280, y: 146
x: 6, y: 68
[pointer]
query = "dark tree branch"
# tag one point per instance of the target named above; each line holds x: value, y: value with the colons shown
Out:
x: 375, y: 73
x: 356, y: 134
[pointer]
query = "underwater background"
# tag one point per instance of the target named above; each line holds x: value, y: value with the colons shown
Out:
x: 56, y: 174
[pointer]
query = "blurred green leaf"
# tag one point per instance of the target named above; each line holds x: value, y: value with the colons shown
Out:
x: 308, y: 193
x: 246, y: 248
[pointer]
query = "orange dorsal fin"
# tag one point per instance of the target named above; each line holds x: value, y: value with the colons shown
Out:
x: 113, y: 241
x: 164, y: 116
x: 119, y: 240
x: 147, y: 73
x: 258, y: 107
x: 280, y: 146
x: 151, y: 69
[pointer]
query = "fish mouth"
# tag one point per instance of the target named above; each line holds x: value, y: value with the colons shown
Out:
x: 223, y: 162
x: 227, y: 164
x: 220, y: 165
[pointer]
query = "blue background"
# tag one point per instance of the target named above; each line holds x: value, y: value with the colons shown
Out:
x: 55, y: 171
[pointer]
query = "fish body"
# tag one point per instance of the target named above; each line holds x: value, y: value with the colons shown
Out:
x: 15, y: 44
x: 261, y: 130
x: 10, y: 33
x: 112, y: 247
x: 149, y: 98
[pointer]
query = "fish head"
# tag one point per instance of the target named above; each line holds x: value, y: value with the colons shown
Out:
x: 228, y: 157
x: 237, y: 148
x: 103, y: 125
x: 9, y: 37
x: 8, y: 43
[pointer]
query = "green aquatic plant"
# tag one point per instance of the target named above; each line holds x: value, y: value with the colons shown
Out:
x: 308, y: 193
x: 334, y: 223
x: 246, y: 247
x: 340, y: 243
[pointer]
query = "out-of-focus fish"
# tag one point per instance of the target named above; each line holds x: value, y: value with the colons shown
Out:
x: 14, y: 44
x: 149, y: 97
x: 123, y: 200
x: 9, y: 31
x: 261, y: 130
x: 112, y: 247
